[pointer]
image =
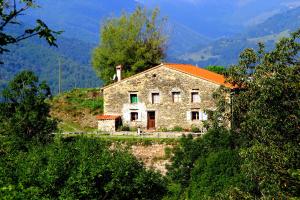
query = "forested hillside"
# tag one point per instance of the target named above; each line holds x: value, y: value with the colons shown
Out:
x: 225, y: 51
x: 72, y: 55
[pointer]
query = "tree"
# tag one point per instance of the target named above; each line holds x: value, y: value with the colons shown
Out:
x: 217, y: 69
x: 266, y: 113
x: 24, y: 114
x: 10, y: 10
x: 78, y: 168
x: 134, y: 41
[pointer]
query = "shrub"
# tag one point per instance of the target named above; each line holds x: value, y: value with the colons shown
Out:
x: 124, y: 128
x: 177, y: 129
x: 214, y: 174
x: 163, y: 129
x: 168, y: 152
x: 195, y: 129
x: 77, y: 168
x: 133, y: 129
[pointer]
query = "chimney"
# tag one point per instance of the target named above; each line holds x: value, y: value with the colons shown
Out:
x: 119, y: 72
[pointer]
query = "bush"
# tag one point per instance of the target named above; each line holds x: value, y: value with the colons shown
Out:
x: 77, y: 168
x: 214, y: 174
x: 163, y: 129
x: 133, y: 129
x: 168, y: 152
x: 195, y: 129
x: 194, y: 152
x: 177, y: 129
x: 124, y: 128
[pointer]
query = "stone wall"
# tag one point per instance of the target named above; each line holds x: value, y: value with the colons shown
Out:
x: 164, y: 81
x: 107, y: 125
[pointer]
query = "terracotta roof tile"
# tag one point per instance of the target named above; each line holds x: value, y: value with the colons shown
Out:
x: 107, y: 117
x: 199, y: 72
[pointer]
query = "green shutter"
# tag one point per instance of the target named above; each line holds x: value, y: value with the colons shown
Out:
x: 134, y: 99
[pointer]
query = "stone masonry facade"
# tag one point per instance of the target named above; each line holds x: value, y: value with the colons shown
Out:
x: 164, y: 92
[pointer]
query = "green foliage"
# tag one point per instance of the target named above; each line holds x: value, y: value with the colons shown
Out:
x: 9, y: 12
x: 189, y: 150
x: 168, y: 153
x: 215, y: 173
x: 206, y: 167
x: 134, y: 41
x: 84, y: 99
x: 164, y: 129
x: 195, y: 129
x: 24, y: 113
x: 217, y: 69
x: 125, y: 128
x: 134, y: 140
x: 75, y: 108
x: 177, y: 129
x: 77, y: 168
x: 267, y: 115
x: 259, y: 157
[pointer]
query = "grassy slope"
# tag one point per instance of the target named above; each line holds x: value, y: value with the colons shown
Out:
x: 76, y: 109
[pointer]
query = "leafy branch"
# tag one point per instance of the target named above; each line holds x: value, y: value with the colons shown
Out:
x: 9, y: 12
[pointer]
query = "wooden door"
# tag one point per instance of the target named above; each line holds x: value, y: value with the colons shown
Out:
x: 151, y: 120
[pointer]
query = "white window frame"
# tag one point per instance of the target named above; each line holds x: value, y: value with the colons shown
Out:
x: 192, y: 97
x: 178, y: 98
x: 153, y: 94
x: 131, y: 112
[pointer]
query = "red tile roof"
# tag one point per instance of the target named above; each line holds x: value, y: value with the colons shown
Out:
x: 107, y: 117
x: 199, y: 72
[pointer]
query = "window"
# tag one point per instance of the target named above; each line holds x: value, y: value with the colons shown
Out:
x: 133, y: 98
x: 155, y: 98
x: 195, y: 97
x: 176, y: 97
x: 134, y: 116
x: 195, y: 115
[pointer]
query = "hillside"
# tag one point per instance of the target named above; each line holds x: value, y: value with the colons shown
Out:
x: 73, y: 56
x: 225, y: 51
x: 76, y: 109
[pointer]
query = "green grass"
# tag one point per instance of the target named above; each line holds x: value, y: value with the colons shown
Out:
x: 78, y: 99
x: 67, y: 126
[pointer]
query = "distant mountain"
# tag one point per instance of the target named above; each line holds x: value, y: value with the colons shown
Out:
x: 80, y: 19
x: 72, y: 55
x: 225, y: 51
x: 219, y: 18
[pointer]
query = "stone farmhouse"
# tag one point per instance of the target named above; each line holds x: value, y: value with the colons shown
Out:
x: 164, y: 96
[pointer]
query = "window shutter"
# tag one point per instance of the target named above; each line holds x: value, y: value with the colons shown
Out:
x: 200, y: 115
x: 204, y: 117
x: 139, y: 116
x: 126, y: 116
x: 188, y: 116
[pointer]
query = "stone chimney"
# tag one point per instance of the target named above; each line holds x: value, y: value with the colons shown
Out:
x: 119, y: 72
